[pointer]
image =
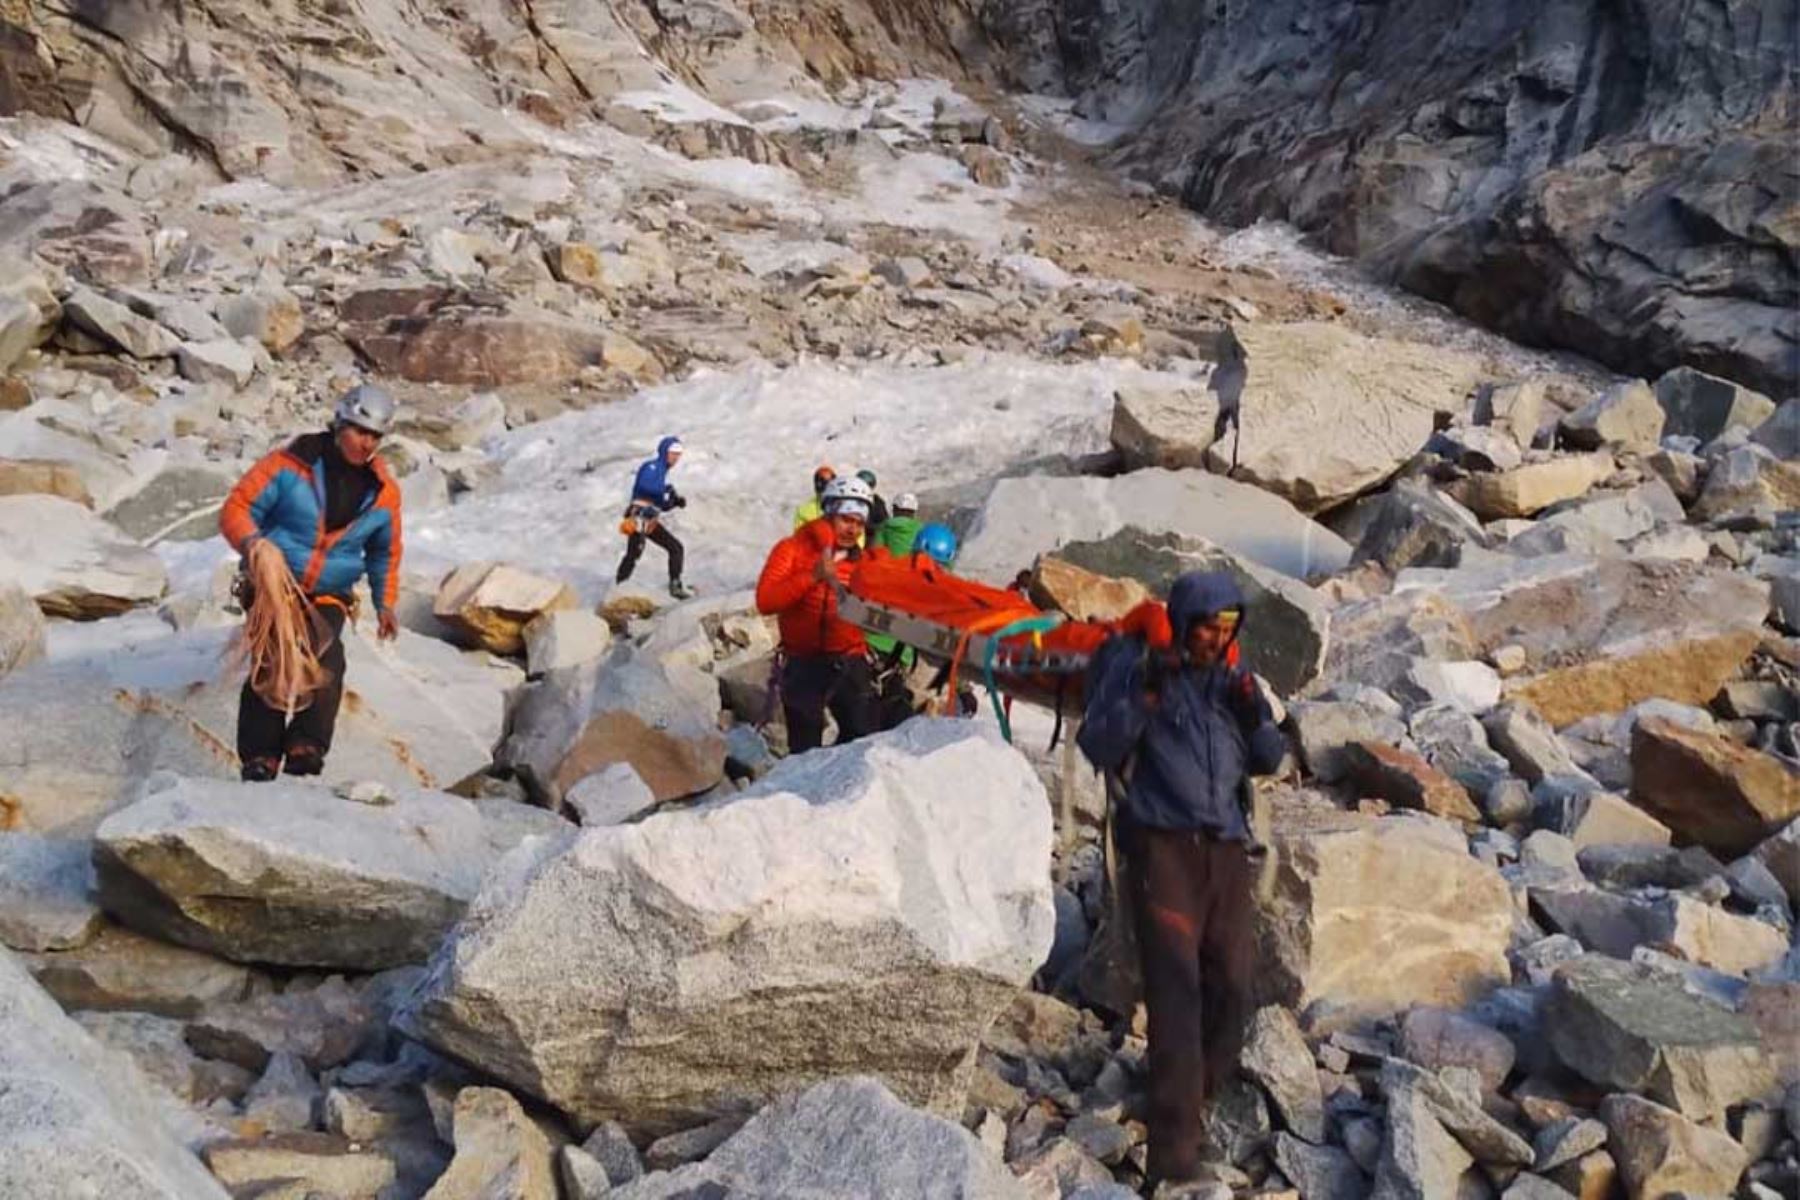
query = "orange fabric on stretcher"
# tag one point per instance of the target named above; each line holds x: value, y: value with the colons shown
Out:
x: 918, y: 586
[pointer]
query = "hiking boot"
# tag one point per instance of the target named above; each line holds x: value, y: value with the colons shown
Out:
x: 680, y: 590
x: 259, y: 770
x: 304, y: 760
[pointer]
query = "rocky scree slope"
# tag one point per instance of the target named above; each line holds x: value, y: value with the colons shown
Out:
x: 1619, y: 178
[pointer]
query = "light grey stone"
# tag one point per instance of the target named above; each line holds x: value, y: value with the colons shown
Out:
x: 46, y: 892
x: 914, y: 899
x: 78, y: 1119
x: 292, y: 874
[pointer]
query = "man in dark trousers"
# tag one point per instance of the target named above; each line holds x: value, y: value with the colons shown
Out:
x: 825, y: 658
x: 329, y: 505
x: 1178, y: 732
x: 652, y: 495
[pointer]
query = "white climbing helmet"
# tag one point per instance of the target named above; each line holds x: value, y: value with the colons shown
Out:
x: 847, y: 495
x: 906, y: 502
x: 366, y: 407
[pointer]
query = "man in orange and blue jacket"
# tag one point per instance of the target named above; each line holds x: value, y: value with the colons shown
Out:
x: 329, y: 505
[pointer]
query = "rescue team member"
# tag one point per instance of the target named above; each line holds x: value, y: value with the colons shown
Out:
x: 812, y: 509
x: 329, y: 505
x: 1177, y: 733
x: 652, y: 495
x: 826, y: 665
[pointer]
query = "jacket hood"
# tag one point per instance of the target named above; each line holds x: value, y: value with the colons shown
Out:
x: 662, y: 447
x: 1199, y: 595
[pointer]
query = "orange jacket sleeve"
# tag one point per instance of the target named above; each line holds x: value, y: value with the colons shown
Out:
x: 236, y: 519
x: 786, y: 577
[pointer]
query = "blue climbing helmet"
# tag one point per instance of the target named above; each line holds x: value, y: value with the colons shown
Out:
x: 938, y: 542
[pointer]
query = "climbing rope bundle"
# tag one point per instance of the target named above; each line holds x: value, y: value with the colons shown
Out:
x: 282, y: 634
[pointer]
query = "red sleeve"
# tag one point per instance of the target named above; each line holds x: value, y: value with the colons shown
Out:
x: 786, y: 577
x: 235, y: 519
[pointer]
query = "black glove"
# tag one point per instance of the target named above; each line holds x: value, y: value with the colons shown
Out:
x: 676, y: 500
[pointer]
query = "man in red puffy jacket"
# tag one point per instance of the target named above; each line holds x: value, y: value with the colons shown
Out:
x: 827, y: 661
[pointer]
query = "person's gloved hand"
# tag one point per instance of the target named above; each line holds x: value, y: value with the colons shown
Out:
x: 676, y: 500
x: 1243, y: 694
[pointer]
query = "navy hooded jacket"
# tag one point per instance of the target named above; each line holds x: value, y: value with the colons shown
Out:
x: 652, y: 484
x: 1185, y: 751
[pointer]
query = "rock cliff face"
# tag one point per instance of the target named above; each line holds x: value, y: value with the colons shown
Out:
x: 1615, y: 178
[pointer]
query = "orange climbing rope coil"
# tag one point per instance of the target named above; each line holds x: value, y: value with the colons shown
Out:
x: 282, y: 635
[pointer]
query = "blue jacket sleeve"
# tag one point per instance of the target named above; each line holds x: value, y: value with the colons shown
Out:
x: 651, y: 484
x: 1113, y: 722
x: 1263, y: 743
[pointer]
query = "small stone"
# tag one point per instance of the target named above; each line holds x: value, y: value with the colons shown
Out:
x: 286, y: 1098
x: 1660, y: 1152
x: 1408, y: 781
x: 690, y: 1145
x: 1276, y: 1056
x: 1435, y: 1038
x: 323, y: 1163
x: 1627, y: 414
x: 612, y: 1148
x: 1105, y: 1140
x: 1565, y: 1141
x: 611, y: 796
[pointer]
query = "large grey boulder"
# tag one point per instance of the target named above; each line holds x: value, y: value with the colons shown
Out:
x: 1375, y: 915
x: 850, y: 1139
x: 1749, y: 483
x: 1169, y: 428
x: 1287, y: 626
x: 866, y: 908
x: 1618, y: 924
x: 82, y: 735
x: 1626, y: 414
x: 296, y: 875
x: 1418, y: 526
x: 659, y: 717
x: 1033, y: 515
x: 1702, y: 406
x: 1602, y: 634
x: 1329, y: 413
x: 1602, y: 522
x: 77, y: 1119
x: 1626, y: 1028
x: 73, y: 563
x: 116, y: 327
x: 1377, y: 643
x: 179, y: 503
x: 122, y: 970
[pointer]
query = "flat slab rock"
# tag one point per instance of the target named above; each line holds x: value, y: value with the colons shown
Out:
x: 1602, y: 634
x: 295, y: 874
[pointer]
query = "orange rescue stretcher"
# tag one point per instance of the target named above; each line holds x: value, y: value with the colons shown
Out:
x: 1019, y: 649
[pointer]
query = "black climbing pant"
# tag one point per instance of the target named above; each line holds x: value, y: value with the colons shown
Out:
x: 265, y: 734
x: 634, y: 549
x: 840, y: 683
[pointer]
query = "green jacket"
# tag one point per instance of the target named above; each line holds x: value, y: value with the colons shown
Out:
x: 898, y: 534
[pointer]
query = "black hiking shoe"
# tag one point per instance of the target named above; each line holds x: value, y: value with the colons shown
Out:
x: 304, y: 760
x: 259, y: 770
x: 680, y: 590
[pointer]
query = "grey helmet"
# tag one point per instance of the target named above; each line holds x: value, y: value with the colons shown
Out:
x: 367, y: 407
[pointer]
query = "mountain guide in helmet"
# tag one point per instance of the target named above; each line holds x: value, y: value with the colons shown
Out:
x: 311, y: 519
x: 812, y: 510
x: 652, y: 495
x: 826, y: 665
x: 1177, y: 733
